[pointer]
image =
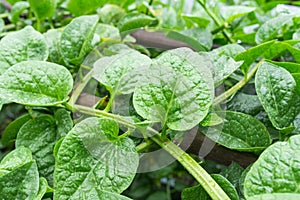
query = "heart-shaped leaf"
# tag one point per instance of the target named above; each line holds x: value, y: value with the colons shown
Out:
x: 234, y: 134
x: 119, y: 72
x: 21, y: 180
x: 276, y: 170
x: 177, y: 91
x: 22, y: 45
x: 76, y: 39
x: 93, y: 156
x: 36, y: 83
x: 276, y: 90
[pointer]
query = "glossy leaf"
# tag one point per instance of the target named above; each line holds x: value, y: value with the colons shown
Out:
x: 40, y: 136
x: 23, y: 45
x: 200, y: 21
x: 271, y: 28
x: 212, y: 119
x: 52, y: 37
x: 276, y: 89
x: 82, y: 7
x: 11, y: 131
x: 17, y: 9
x: 232, y: 173
x: 133, y: 21
x: 36, y: 83
x: 230, y: 13
x: 177, y: 91
x: 245, y: 103
x: 119, y: 72
x: 296, y: 35
x: 199, y: 39
x: 22, y: 182
x: 43, y: 9
x: 289, y: 66
x: 64, y: 122
x: 111, y: 13
x: 233, y: 133
x: 250, y: 55
x: 197, y: 192
x: 106, y: 31
x: 43, y: 186
x: 76, y: 39
x: 276, y: 196
x: 223, y: 67
x: 93, y: 156
x: 16, y: 158
x: 276, y: 170
x: 230, y: 50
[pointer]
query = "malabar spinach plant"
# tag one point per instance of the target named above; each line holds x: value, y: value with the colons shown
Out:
x: 101, y: 99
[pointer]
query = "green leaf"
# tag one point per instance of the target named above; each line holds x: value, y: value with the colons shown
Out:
x: 212, y: 119
x: 296, y: 77
x: 23, y: 45
x: 245, y: 103
x: 233, y: 173
x: 11, y: 131
x: 223, y: 66
x: 276, y: 89
x: 43, y: 186
x: 106, y: 31
x: 230, y: 50
x: 40, y: 136
x: 199, y: 39
x: 226, y: 186
x: 119, y: 72
x: 17, y: 9
x: 270, y: 29
x: 177, y: 90
x: 43, y: 9
x: 296, y: 35
x: 250, y: 55
x: 36, y: 83
x: 93, y: 156
x: 82, y: 7
x: 279, y: 48
x: 64, y: 122
x: 22, y: 182
x: 111, y: 13
x: 16, y: 158
x: 52, y: 37
x: 289, y: 66
x: 276, y: 170
x: 276, y: 196
x: 199, y: 21
x: 197, y: 192
x: 133, y: 21
x: 76, y: 39
x: 230, y: 13
x: 242, y: 180
x: 233, y: 133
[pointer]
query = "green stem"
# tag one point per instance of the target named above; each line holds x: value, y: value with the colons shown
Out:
x: 143, y: 146
x: 79, y: 88
x: 206, y: 181
x: 237, y: 86
x: 39, y: 25
x: 216, y: 19
x: 110, y: 102
x: 9, y: 26
x: 4, y: 15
